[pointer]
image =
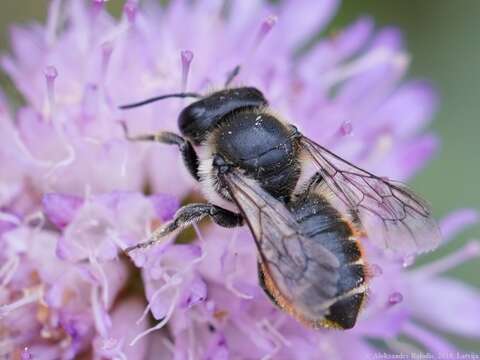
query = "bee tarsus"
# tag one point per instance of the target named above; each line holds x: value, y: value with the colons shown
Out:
x: 188, y: 215
x: 189, y: 155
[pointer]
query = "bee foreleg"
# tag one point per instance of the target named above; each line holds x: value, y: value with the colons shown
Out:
x: 189, y: 155
x: 190, y: 214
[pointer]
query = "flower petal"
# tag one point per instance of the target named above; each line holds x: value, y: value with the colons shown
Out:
x: 448, y: 294
x: 432, y: 342
x: 456, y: 222
x: 299, y: 19
x: 408, y: 158
x: 165, y: 205
x: 329, y: 52
x: 61, y: 208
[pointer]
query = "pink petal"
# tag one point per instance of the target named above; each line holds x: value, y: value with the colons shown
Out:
x: 329, y: 52
x: 61, y: 208
x: 384, y: 323
x: 405, y: 112
x: 389, y: 37
x: 409, y: 157
x: 448, y: 294
x: 300, y: 19
x: 123, y: 330
x: 39, y: 136
x: 165, y: 205
x: 456, y: 222
x: 432, y: 342
x: 352, y: 347
x: 194, y: 293
x: 217, y: 349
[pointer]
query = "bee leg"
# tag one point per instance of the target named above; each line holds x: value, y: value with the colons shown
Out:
x: 190, y: 157
x: 188, y: 215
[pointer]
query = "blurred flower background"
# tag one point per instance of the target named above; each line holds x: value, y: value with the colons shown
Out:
x: 102, y: 295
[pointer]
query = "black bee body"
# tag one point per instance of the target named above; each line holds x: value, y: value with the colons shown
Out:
x: 322, y: 223
x: 263, y: 147
x: 246, y: 136
x: 311, y: 262
x: 200, y: 118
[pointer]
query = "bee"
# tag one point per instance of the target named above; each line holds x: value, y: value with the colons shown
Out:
x: 308, y: 234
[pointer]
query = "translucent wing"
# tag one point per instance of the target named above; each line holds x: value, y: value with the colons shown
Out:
x: 404, y: 219
x: 301, y: 275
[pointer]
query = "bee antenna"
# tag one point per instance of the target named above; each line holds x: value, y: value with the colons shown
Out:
x: 232, y: 74
x: 161, y: 97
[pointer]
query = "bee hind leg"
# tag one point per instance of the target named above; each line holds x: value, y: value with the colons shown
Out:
x: 190, y: 157
x: 190, y: 214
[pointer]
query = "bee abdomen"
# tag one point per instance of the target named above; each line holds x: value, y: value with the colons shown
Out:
x: 351, y: 277
x: 351, y: 293
x: 343, y: 313
x: 323, y: 224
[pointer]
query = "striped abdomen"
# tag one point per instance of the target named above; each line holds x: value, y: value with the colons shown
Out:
x: 321, y: 222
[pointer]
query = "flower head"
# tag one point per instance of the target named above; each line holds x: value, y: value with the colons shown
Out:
x: 74, y: 192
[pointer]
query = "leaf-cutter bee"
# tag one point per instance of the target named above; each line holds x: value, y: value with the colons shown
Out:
x: 308, y: 235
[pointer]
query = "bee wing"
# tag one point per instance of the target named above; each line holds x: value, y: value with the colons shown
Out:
x: 405, y: 218
x: 302, y: 274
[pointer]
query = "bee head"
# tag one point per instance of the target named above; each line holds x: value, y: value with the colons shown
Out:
x: 199, y: 118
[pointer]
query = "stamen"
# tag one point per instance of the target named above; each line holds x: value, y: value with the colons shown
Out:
x: 228, y: 247
x: 103, y: 278
x: 113, y: 236
x: 26, y: 354
x: 89, y: 101
x: 394, y: 299
x: 30, y: 296
x: 27, y: 153
x: 199, y: 233
x: 229, y: 282
x: 231, y: 275
x: 274, y: 332
x: 187, y: 57
x: 51, y: 74
x: 130, y: 9
x: 265, y: 27
x: 174, y: 282
x: 101, y: 319
x: 464, y: 254
x: 8, y: 270
x: 346, y: 128
x: 97, y: 6
x: 4, y: 216
x: 107, y: 49
x: 161, y: 323
x: 52, y: 22
x: 62, y: 163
